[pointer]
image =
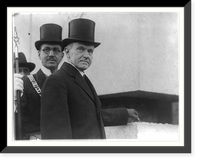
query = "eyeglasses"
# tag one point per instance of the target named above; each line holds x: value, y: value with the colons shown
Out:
x: 55, y: 50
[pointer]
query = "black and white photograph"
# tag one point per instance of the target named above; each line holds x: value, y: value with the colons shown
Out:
x: 90, y: 77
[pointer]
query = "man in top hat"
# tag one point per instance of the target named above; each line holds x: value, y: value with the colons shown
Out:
x: 70, y: 107
x: 50, y: 54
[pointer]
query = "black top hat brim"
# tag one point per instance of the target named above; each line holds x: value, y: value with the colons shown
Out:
x: 67, y: 41
x: 39, y: 43
x: 29, y: 65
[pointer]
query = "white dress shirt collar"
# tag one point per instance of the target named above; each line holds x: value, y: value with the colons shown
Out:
x: 46, y: 71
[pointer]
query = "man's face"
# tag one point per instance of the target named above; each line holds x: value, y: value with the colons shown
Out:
x: 80, y: 55
x: 50, y: 55
x: 23, y: 71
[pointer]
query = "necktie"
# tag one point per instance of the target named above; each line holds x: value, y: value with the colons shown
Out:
x: 88, y: 85
x: 84, y: 76
x: 85, y: 79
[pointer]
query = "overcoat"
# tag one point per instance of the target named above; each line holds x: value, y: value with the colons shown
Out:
x: 71, y: 109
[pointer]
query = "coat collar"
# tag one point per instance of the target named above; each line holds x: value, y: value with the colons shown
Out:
x: 82, y: 73
x: 73, y: 72
x: 40, y: 78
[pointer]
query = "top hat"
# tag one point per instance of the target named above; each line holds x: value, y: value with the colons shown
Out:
x: 81, y: 30
x: 50, y: 34
x: 24, y: 63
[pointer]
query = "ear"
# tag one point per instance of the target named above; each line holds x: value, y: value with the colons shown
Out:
x: 67, y: 52
x: 39, y: 54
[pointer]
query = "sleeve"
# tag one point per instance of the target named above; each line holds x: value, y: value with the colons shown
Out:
x: 114, y: 116
x: 55, y: 119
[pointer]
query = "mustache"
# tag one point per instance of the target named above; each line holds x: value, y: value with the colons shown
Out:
x: 51, y: 59
x: 84, y: 61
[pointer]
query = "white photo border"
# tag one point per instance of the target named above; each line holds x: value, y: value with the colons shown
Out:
x: 114, y: 144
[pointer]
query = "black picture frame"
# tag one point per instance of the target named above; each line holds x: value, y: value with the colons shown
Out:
x: 130, y: 149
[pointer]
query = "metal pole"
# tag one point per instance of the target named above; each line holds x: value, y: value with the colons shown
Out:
x: 18, y: 115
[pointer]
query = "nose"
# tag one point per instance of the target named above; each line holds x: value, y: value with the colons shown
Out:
x: 51, y: 53
x: 86, y: 54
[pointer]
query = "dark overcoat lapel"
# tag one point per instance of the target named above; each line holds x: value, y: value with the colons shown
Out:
x: 87, y: 86
x: 40, y: 78
x: 76, y: 109
x: 90, y: 90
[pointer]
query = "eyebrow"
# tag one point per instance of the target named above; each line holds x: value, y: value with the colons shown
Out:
x: 52, y: 47
x: 48, y: 45
x: 85, y: 46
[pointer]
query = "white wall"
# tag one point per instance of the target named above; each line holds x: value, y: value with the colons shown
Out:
x: 138, y: 51
x: 158, y: 52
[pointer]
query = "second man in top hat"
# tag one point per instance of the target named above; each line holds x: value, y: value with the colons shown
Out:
x: 50, y: 54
